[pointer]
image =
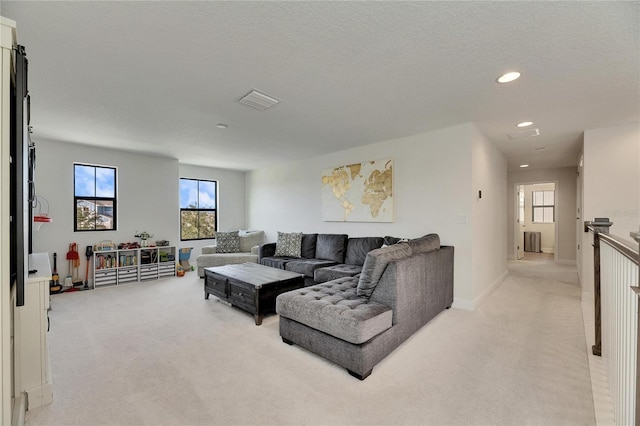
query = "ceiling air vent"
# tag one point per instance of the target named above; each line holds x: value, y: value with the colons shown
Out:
x: 524, y: 133
x: 258, y: 100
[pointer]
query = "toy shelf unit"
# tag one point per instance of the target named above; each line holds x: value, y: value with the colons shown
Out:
x: 121, y: 266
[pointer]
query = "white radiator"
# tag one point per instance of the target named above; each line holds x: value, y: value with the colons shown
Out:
x: 619, y: 307
x: 532, y: 242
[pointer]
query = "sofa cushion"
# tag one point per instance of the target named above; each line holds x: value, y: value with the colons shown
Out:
x: 357, y: 249
x: 250, y: 239
x: 289, y: 244
x: 308, y: 249
x: 375, y: 264
x: 331, y: 247
x: 335, y: 309
x: 307, y: 266
x: 424, y: 244
x: 227, y: 242
x: 209, y: 249
x: 276, y: 262
x: 322, y: 275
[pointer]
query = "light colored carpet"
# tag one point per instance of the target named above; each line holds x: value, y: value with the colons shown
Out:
x: 158, y: 353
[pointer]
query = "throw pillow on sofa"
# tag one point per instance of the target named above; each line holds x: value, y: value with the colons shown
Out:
x: 227, y: 242
x: 376, y: 262
x: 288, y: 244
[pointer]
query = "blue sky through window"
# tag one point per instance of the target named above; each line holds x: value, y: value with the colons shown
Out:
x: 95, y: 181
x: 197, y: 194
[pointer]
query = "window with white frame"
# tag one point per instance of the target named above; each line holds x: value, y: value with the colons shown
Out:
x: 543, y: 206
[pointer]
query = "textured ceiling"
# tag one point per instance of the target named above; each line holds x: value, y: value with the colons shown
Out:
x: 158, y: 76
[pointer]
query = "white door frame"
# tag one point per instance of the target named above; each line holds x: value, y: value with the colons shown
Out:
x: 516, y: 226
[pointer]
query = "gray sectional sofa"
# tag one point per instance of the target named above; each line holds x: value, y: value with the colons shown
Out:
x: 356, y: 321
x: 323, y: 257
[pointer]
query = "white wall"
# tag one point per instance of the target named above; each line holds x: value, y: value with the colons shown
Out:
x: 432, y: 193
x: 565, y: 179
x: 231, y: 200
x: 611, y: 179
x: 612, y: 176
x: 148, y: 197
x: 489, y: 248
x: 147, y: 189
x: 547, y: 230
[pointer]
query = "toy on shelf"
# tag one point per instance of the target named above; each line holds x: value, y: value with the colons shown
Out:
x: 144, y: 236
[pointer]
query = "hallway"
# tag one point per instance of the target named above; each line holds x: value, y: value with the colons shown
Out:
x: 542, y: 267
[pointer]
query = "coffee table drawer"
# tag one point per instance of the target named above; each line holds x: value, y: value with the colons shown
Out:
x: 242, y: 295
x: 216, y: 284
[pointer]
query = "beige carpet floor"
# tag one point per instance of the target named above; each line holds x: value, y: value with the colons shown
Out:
x: 157, y: 353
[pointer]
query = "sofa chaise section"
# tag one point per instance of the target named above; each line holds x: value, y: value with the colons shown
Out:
x: 338, y: 321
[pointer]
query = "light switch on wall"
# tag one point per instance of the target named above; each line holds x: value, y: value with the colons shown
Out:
x: 462, y: 218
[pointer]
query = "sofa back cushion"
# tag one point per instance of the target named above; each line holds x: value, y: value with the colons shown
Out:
x: 331, y: 247
x: 251, y: 239
x: 308, y: 249
x: 357, y: 249
x: 289, y: 244
x: 425, y: 244
x: 375, y: 264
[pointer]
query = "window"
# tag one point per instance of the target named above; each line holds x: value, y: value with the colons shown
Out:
x: 94, y: 189
x: 521, y: 205
x: 198, y: 218
x: 543, y: 206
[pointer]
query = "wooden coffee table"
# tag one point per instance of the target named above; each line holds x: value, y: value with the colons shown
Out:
x: 250, y: 286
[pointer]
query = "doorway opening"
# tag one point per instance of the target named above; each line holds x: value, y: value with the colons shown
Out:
x: 535, y: 227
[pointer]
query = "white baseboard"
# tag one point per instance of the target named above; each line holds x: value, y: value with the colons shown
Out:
x: 19, y: 410
x: 39, y: 396
x: 461, y: 303
x: 548, y: 250
x: 472, y: 305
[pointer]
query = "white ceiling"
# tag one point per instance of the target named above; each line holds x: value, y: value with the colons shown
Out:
x: 158, y: 76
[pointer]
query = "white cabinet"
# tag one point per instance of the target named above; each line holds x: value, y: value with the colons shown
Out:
x: 31, y: 324
x: 114, y: 267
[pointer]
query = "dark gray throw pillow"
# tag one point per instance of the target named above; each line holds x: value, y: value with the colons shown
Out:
x: 375, y: 264
x: 227, y: 242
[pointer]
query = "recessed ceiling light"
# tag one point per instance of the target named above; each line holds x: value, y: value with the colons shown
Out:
x: 508, y: 77
x: 524, y: 165
x: 221, y: 126
x: 525, y: 124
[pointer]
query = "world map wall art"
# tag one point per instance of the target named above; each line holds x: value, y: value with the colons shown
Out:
x: 358, y: 192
